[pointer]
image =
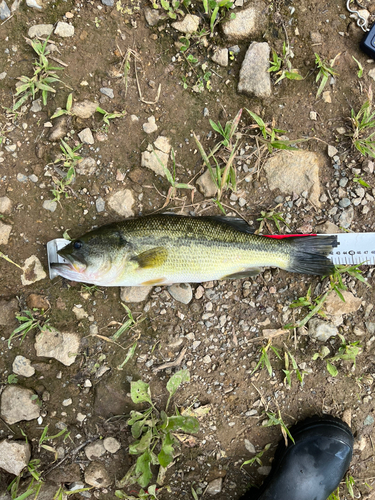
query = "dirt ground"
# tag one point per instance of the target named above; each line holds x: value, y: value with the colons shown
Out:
x: 241, y: 309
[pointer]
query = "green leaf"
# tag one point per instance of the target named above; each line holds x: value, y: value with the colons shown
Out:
x: 59, y: 113
x: 69, y: 102
x: 140, y: 392
x: 137, y: 428
x: 143, y: 468
x: 185, y: 424
x: 165, y: 457
x: 332, y: 370
x: 176, y: 380
x: 142, y: 445
x: 291, y: 75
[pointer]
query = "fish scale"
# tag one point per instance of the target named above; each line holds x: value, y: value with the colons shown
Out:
x: 165, y: 249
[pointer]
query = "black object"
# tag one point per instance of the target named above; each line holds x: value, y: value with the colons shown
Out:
x: 368, y: 43
x: 312, y: 468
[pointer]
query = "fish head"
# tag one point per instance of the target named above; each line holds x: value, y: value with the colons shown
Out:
x: 96, y: 257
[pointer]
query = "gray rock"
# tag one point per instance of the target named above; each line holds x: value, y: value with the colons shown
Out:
x: 206, y: 185
x: 134, y: 293
x: 100, y: 204
x: 163, y: 144
x: 11, y: 148
x: 152, y: 16
x: 86, y: 166
x: 5, y: 231
x: 189, y: 24
x: 64, y: 29
x: 32, y: 271
x: 35, y: 4
x: 122, y: 202
x: 150, y: 126
x: 220, y: 56
x: 254, y: 76
x: 8, y: 311
x: 371, y: 73
x: 22, y: 177
x: 248, y: 23
x: 108, y: 92
x: 321, y: 330
x: 15, y: 6
x: 36, y: 106
x: 108, y: 3
x: 181, y: 292
x: 316, y: 37
x: 249, y: 446
x: 328, y: 228
x: 264, y: 470
x: 3, y: 75
x: 234, y: 49
x: 150, y: 160
x: 95, y: 450
x: 63, y: 346
x: 59, y: 129
x: 17, y: 403
x: 344, y: 202
x: 86, y: 136
x: 111, y: 444
x: 334, y: 306
x: 4, y: 11
x: 84, y: 109
x: 22, y: 366
x: 50, y: 205
x: 295, y: 172
x: 97, y: 476
x: 14, y: 456
x: 215, y: 486
x: 40, y: 30
x: 332, y: 151
x: 346, y: 218
x: 369, y: 420
x: 33, y: 178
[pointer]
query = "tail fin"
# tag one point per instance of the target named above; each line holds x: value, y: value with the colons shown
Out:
x: 309, y: 254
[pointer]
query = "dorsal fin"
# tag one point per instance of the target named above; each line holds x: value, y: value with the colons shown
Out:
x: 235, y: 222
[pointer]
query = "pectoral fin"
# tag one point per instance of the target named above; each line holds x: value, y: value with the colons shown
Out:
x: 246, y: 273
x: 154, y: 257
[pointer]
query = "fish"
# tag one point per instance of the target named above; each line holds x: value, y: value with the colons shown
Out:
x: 163, y: 249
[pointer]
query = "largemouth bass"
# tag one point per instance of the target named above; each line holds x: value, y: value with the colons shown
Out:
x: 165, y: 249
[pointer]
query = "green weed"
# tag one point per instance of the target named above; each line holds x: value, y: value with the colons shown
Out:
x: 346, y: 352
x: 171, y: 178
x: 289, y: 370
x: 28, y: 323
x: 325, y: 71
x: 360, y: 181
x: 270, y: 135
x: 271, y: 216
x: 129, y: 355
x: 257, y: 457
x: 264, y: 360
x: 216, y: 11
x: 360, y: 68
x: 44, y: 438
x: 66, y: 111
x: 12, y: 378
x: 153, y: 431
x: 110, y: 116
x: 43, y: 76
x: 336, y: 285
x: 33, y: 487
x: 68, y: 160
x: 282, y: 67
x: 273, y: 419
x: 363, y: 124
x: 223, y: 176
x: 128, y: 323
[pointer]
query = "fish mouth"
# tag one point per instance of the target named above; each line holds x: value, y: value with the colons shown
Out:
x: 66, y: 268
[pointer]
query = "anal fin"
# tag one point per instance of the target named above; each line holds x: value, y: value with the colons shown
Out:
x: 246, y: 273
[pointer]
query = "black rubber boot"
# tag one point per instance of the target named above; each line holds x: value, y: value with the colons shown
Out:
x: 312, y: 468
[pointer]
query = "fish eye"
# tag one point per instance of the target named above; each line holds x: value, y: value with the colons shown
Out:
x: 77, y: 245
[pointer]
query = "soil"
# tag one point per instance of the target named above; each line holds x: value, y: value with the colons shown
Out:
x: 232, y: 337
